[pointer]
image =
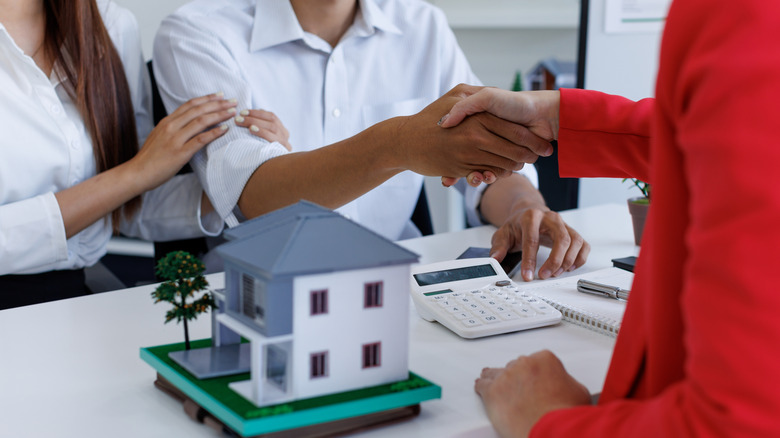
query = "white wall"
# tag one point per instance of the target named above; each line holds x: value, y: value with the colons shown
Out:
x: 149, y: 14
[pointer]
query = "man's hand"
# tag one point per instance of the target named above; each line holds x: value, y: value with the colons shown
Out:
x: 482, y: 142
x: 524, y: 222
x: 527, y: 229
x: 517, y: 396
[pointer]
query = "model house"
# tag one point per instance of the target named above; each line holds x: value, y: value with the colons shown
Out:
x: 323, y: 301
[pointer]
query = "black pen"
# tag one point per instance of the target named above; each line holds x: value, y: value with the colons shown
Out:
x: 605, y: 290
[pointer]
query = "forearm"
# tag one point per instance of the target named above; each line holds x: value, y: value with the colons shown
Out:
x: 85, y: 203
x: 507, y: 196
x: 330, y: 176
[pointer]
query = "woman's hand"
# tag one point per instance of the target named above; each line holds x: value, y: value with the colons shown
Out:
x: 265, y: 124
x: 517, y: 396
x: 174, y: 141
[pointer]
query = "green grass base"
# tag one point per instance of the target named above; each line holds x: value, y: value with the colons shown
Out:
x: 245, y: 418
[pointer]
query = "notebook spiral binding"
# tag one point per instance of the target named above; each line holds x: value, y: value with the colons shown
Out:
x: 603, y: 325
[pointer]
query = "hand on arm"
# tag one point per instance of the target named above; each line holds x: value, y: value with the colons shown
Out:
x: 525, y: 222
x: 167, y: 148
x: 518, y: 395
x: 265, y: 124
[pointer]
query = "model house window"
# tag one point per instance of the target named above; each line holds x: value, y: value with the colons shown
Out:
x: 253, y: 298
x: 319, y: 302
x: 373, y: 294
x: 372, y: 355
x: 319, y: 364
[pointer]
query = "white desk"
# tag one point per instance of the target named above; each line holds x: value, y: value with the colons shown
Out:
x: 72, y: 368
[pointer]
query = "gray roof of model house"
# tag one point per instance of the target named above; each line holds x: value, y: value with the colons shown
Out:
x: 252, y: 226
x: 296, y: 244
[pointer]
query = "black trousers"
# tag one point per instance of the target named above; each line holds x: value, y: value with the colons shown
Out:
x: 23, y: 290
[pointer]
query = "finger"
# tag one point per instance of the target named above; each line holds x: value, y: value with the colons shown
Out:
x: 561, y: 242
x: 582, y: 256
x: 501, y: 242
x: 489, y: 177
x: 518, y: 135
x: 194, y: 107
x: 181, y: 119
x: 199, y: 141
x: 261, y: 115
x: 259, y: 125
x: 489, y: 373
x: 473, y: 104
x: 474, y: 179
x: 575, y: 248
x: 204, y: 120
x: 530, y: 229
x: 195, y: 101
x: 448, y: 181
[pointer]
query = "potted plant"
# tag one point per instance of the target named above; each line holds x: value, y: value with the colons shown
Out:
x: 638, y: 207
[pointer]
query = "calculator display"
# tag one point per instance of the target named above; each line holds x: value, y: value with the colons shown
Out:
x: 457, y: 274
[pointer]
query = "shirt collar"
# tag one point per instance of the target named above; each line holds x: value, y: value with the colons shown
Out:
x: 275, y: 23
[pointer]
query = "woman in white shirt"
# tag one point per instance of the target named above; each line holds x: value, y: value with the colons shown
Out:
x: 73, y: 91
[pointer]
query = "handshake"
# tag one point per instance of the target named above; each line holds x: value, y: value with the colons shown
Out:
x: 484, y: 133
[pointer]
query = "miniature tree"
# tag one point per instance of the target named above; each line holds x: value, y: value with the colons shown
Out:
x: 183, y: 275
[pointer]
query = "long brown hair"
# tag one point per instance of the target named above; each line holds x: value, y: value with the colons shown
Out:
x: 79, y: 44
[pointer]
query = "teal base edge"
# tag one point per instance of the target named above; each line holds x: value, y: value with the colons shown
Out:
x: 294, y: 414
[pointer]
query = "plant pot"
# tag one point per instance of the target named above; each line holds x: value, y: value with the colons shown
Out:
x: 638, y: 208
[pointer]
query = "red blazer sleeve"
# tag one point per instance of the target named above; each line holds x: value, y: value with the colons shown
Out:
x: 716, y: 223
x: 602, y: 135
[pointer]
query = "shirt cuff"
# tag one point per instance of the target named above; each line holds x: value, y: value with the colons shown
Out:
x: 473, y: 195
x: 211, y: 224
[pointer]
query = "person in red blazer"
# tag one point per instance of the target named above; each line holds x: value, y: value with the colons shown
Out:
x: 697, y: 354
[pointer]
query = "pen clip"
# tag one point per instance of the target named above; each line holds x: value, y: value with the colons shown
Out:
x: 592, y: 287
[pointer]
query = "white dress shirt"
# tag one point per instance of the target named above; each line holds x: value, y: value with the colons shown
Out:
x: 45, y: 148
x: 397, y: 57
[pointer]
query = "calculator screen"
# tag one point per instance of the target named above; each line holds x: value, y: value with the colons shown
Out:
x: 457, y: 274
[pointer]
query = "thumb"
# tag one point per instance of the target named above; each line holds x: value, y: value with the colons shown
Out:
x: 476, y: 103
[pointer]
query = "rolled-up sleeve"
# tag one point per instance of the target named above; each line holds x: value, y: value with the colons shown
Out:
x: 190, y: 62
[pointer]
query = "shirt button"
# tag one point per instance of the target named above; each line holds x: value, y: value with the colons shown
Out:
x: 55, y: 109
x: 337, y: 113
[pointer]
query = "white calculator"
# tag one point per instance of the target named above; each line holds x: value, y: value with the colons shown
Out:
x: 475, y: 298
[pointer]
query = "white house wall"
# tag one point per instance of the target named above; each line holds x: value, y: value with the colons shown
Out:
x: 347, y: 326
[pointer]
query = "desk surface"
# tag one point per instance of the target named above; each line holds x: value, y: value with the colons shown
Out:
x: 72, y: 368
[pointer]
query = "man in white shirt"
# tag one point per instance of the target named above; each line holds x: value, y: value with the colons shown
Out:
x: 329, y: 70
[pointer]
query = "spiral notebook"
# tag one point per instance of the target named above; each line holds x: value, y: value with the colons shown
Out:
x: 601, y: 314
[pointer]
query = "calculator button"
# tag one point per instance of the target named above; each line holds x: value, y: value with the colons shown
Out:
x: 542, y: 308
x: 503, y: 283
x: 446, y: 303
x: 509, y: 316
x: 525, y: 312
x: 455, y: 309
x: 471, y: 322
x: 474, y: 306
x: 493, y: 303
x: 482, y: 312
x: 489, y: 319
x: 462, y: 315
x: 465, y: 300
